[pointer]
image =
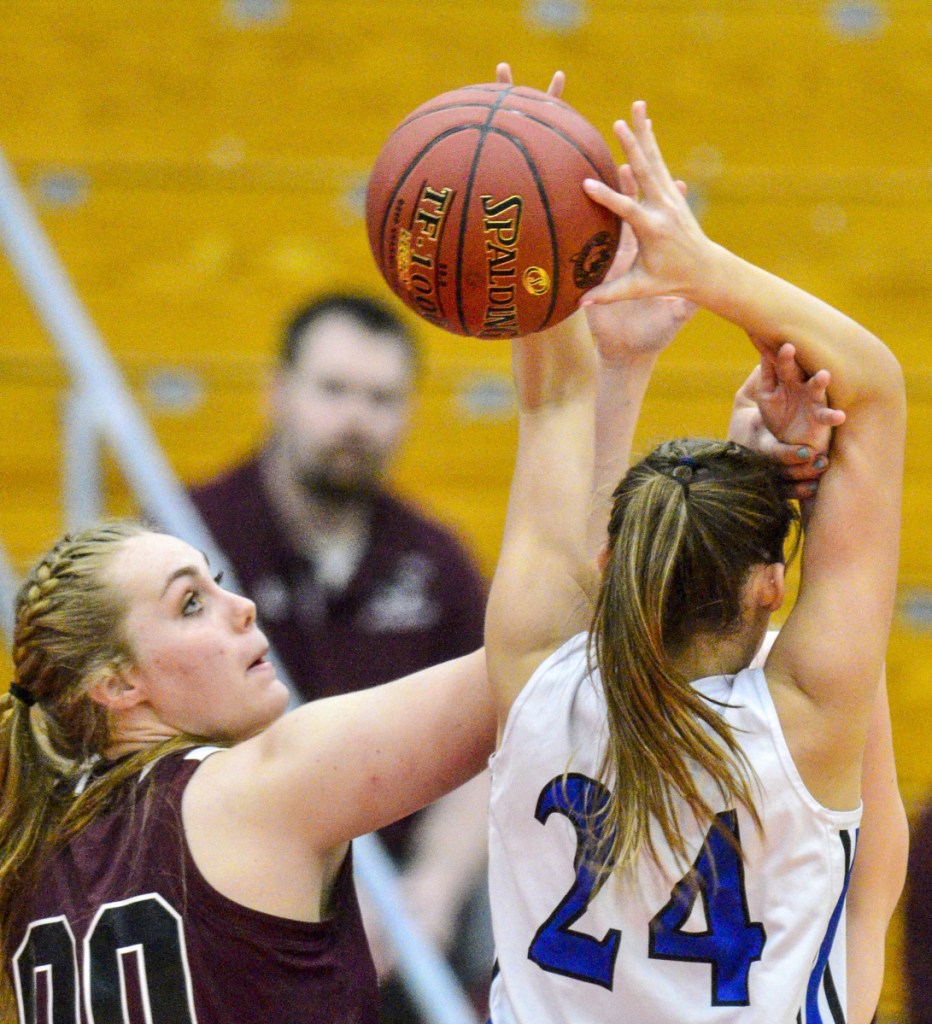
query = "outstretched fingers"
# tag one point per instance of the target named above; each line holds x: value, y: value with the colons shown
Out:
x: 781, y: 368
x: 626, y: 184
x: 828, y: 417
x: 503, y: 76
x: 637, y: 160
x: 644, y: 131
x: 786, y: 369
x: 557, y: 85
x: 671, y: 245
x: 627, y: 243
x: 618, y: 285
x: 625, y: 205
x: 640, y: 146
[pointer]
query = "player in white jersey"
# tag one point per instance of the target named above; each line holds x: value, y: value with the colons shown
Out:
x: 647, y: 940
x: 671, y: 835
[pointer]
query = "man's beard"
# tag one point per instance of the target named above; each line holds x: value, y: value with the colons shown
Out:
x: 344, y: 474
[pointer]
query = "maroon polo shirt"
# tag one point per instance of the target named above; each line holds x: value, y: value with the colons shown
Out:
x: 415, y: 600
x: 917, y: 921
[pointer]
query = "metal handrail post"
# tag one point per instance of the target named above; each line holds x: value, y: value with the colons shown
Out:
x: 374, y: 868
x: 136, y: 449
x: 8, y: 587
x: 81, y: 453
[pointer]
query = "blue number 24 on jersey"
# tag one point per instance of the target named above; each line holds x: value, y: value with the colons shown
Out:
x: 730, y: 943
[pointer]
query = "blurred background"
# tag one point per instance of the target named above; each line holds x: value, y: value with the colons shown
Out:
x: 200, y: 168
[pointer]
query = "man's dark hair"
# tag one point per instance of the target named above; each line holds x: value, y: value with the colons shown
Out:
x: 370, y: 313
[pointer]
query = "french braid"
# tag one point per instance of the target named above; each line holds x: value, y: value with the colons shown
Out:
x: 68, y: 628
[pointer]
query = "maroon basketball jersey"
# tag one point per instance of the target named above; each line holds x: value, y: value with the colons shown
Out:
x: 123, y: 928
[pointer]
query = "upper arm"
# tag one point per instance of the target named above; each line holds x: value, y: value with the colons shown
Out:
x: 337, y: 768
x: 832, y: 647
x: 827, y: 660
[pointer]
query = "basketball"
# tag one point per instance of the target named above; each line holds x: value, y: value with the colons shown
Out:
x: 476, y: 214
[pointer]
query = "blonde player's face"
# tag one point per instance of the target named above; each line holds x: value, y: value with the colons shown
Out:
x: 199, y: 658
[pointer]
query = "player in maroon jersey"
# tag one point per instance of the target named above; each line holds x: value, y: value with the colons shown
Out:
x: 140, y: 867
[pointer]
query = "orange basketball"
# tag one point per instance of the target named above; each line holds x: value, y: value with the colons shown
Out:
x: 476, y: 214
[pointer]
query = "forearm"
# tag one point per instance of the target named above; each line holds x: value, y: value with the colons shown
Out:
x: 543, y: 549
x: 879, y: 866
x: 554, y: 368
x: 774, y: 311
x: 556, y: 386
x: 676, y: 258
x: 334, y: 769
x: 879, y: 870
x: 620, y: 390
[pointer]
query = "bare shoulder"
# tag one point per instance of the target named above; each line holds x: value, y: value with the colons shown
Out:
x: 251, y: 782
x: 223, y: 793
x: 243, y: 846
x: 216, y: 775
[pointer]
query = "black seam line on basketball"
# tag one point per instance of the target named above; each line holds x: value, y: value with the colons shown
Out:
x: 461, y: 243
x: 403, y: 177
x: 566, y: 138
x: 476, y: 105
x: 442, y: 110
x: 545, y: 98
x: 545, y: 202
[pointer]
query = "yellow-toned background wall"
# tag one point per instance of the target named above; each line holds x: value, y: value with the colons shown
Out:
x: 200, y: 167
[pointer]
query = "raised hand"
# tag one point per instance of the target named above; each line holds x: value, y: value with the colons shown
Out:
x: 795, y: 407
x: 647, y: 325
x: 557, y: 83
x: 784, y: 414
x: 671, y: 246
x: 642, y: 325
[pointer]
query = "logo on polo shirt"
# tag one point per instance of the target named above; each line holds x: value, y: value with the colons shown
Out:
x: 403, y: 601
x: 271, y: 597
x: 275, y: 601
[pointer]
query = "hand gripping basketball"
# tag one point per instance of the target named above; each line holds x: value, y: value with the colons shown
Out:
x: 476, y: 215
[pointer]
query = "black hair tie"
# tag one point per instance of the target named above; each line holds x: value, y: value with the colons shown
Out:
x: 682, y: 473
x: 22, y: 695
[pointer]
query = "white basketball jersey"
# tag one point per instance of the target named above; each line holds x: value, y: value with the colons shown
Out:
x: 723, y: 939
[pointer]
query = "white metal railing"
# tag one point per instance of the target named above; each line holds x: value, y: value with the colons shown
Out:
x: 101, y: 409
x: 7, y: 593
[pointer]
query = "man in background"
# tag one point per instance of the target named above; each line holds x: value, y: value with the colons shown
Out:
x: 354, y: 586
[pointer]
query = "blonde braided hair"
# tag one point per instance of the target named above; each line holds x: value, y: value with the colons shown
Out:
x: 69, y: 630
